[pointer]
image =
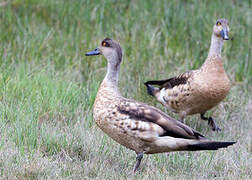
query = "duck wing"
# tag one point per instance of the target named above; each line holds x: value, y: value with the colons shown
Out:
x: 172, y: 82
x: 142, y: 112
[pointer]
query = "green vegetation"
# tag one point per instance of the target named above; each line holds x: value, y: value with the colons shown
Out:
x: 48, y: 86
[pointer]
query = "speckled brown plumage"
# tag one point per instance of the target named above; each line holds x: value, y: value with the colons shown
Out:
x: 198, y: 90
x: 135, y: 125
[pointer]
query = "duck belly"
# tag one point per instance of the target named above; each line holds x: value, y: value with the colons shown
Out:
x: 206, y: 97
x: 122, y: 136
x: 118, y: 128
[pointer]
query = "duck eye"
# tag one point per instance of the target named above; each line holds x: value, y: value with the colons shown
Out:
x: 218, y: 23
x: 104, y: 44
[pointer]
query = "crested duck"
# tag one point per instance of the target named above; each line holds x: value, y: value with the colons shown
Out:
x: 198, y: 90
x: 135, y: 125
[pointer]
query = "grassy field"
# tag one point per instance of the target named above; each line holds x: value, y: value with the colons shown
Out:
x: 48, y: 86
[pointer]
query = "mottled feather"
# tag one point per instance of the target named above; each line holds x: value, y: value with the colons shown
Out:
x: 138, y: 126
x: 171, y: 82
x: 199, y: 90
x: 142, y: 112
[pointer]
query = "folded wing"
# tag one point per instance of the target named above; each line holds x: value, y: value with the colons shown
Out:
x: 142, y: 112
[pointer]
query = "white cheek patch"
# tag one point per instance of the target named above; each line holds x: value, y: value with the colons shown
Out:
x: 161, y: 96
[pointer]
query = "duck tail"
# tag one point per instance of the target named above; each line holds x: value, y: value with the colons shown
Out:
x: 158, y: 83
x: 209, y: 145
x: 151, y: 90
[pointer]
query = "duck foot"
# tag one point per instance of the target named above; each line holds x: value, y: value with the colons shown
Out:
x: 211, y: 122
x: 139, y: 159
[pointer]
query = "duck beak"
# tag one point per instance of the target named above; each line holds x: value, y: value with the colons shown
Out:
x: 93, y: 53
x: 224, y: 34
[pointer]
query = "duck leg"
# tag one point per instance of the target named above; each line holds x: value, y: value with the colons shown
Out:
x: 182, y: 115
x: 211, y: 122
x: 139, y: 159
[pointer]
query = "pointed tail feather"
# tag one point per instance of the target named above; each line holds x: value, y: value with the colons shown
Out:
x: 159, y: 83
x: 210, y: 145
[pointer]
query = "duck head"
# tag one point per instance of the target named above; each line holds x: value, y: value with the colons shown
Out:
x: 110, y: 49
x: 221, y: 29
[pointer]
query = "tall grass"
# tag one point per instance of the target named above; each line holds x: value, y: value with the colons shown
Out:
x: 48, y: 86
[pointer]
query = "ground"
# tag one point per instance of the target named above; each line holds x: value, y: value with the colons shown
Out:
x: 48, y: 86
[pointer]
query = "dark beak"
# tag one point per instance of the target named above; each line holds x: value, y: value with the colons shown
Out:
x: 93, y: 53
x: 224, y: 34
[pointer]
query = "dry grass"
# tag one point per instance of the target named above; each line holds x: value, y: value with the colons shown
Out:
x: 48, y: 87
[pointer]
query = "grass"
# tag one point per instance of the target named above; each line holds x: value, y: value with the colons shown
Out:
x: 48, y: 86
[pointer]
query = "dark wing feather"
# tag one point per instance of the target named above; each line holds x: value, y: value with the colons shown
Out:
x: 142, y: 112
x: 172, y: 82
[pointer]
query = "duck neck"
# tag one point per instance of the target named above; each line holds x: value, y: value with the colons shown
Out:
x: 112, y: 76
x: 216, y: 46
